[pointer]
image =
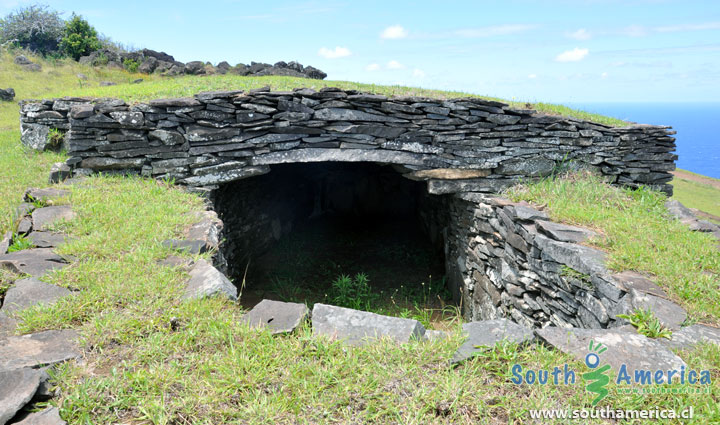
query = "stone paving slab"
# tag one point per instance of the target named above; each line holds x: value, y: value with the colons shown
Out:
x: 280, y: 317
x: 634, y: 350
x: 17, y: 387
x: 42, y: 348
x: 27, y: 293
x: 690, y: 336
x: 34, y: 262
x: 357, y: 327
x: 43, y: 218
x: 49, y: 416
x: 206, y: 281
x: 486, y: 333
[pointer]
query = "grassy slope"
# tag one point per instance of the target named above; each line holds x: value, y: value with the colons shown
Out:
x: 210, y: 369
x: 700, y: 192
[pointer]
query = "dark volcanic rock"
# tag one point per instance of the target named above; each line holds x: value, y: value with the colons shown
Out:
x: 42, y: 348
x: 7, y: 94
x: 18, y: 387
x: 26, y: 293
x: 34, y: 262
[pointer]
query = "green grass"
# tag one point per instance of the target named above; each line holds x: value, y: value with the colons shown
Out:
x: 637, y: 234
x: 694, y: 194
x: 208, y: 368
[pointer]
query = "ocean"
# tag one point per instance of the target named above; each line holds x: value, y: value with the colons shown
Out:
x: 697, y: 126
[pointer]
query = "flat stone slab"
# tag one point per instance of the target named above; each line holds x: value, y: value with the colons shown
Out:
x: 34, y: 262
x: 487, y: 333
x: 280, y: 317
x: 17, y: 389
x: 186, y: 245
x: 206, y: 281
x: 635, y: 351
x: 47, y: 239
x: 631, y: 280
x: 49, y: 416
x: 5, y: 242
x: 7, y: 325
x: 668, y: 313
x: 42, y: 348
x: 563, y: 232
x: 43, y: 218
x: 584, y: 259
x: 690, y: 336
x: 47, y: 195
x: 27, y: 293
x: 357, y: 327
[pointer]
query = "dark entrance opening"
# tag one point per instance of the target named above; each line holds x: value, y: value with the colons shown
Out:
x: 318, y: 232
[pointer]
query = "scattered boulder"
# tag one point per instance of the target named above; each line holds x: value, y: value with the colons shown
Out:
x: 635, y: 351
x: 279, y: 317
x: 49, y: 416
x: 7, y: 94
x: 42, y: 348
x: 356, y: 327
x: 43, y: 218
x: 195, y: 68
x: 484, y: 334
x: 206, y: 281
x: 34, y: 262
x: 17, y: 389
x: 148, y: 65
x: 107, y: 83
x: 33, y: 67
x: 22, y: 60
x: 686, y: 216
x: 26, y: 293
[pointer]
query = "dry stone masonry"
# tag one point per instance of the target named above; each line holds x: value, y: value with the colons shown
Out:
x: 458, y: 145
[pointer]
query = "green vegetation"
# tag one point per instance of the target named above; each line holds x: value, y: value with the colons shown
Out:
x: 352, y: 292
x: 209, y: 368
x: 647, y: 324
x: 20, y: 243
x: 131, y: 65
x: 696, y: 191
x: 79, y: 38
x: 637, y: 234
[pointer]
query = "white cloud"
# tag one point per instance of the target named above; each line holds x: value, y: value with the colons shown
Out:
x: 418, y: 73
x: 604, y: 75
x: 394, y: 32
x: 493, y: 30
x: 581, y: 34
x: 573, y: 55
x: 338, y: 52
x: 372, y: 67
x: 634, y: 31
x: 689, y: 27
x: 395, y: 65
x: 532, y: 76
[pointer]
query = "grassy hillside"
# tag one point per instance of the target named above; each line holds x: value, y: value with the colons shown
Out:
x: 207, y: 368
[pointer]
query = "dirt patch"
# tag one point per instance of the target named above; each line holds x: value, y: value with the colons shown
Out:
x: 696, y: 178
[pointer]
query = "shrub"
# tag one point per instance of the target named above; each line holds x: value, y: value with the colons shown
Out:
x: 79, y: 38
x: 352, y: 292
x: 131, y: 64
x: 34, y: 28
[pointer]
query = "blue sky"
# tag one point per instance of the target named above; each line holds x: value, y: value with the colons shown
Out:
x: 555, y: 51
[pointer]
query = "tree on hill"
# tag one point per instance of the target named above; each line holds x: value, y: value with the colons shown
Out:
x: 34, y: 27
x: 79, y: 38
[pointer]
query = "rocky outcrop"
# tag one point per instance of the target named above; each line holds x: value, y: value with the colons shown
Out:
x: 458, y: 145
x: 149, y: 61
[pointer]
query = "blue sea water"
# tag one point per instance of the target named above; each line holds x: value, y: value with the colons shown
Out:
x: 697, y: 126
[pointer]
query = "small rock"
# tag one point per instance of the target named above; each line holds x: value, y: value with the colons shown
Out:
x: 206, y: 281
x: 17, y: 389
x: 26, y: 293
x: 42, y: 348
x: 433, y: 335
x: 487, y: 333
x: 107, y: 83
x: 5, y: 243
x: 7, y: 94
x: 137, y: 81
x: 59, y: 172
x: 189, y: 246
x: 82, y: 76
x: 49, y: 416
x: 33, y: 67
x: 280, y: 317
x: 43, y: 218
x: 565, y: 233
x: 22, y: 60
x: 24, y: 226
x: 359, y: 327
